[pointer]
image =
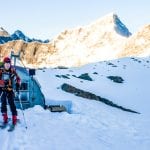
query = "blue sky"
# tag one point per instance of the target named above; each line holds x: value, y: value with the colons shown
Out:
x: 46, y: 18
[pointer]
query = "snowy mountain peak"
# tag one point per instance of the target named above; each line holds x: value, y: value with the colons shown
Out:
x: 93, y: 42
x: 109, y: 17
x: 17, y: 35
x: 120, y: 27
x: 112, y: 19
x: 3, y: 32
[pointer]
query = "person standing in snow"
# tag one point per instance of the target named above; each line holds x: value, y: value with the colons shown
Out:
x: 8, y: 76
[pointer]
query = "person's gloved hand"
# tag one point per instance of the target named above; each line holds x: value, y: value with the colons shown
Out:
x: 17, y: 87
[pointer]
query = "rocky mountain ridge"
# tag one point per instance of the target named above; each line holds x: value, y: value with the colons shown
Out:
x: 17, y: 35
x: 104, y: 39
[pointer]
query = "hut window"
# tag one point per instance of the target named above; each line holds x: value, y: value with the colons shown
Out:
x: 24, y: 86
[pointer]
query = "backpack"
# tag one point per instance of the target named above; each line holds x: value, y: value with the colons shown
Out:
x: 7, y: 78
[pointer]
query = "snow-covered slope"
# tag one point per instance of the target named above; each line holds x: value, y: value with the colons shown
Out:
x: 134, y: 71
x: 91, y: 124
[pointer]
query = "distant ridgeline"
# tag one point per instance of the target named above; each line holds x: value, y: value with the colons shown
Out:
x: 18, y: 35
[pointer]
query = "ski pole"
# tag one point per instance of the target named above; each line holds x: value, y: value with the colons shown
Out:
x: 1, y: 95
x: 22, y: 110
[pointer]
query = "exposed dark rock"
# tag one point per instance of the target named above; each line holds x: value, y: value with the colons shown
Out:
x: 95, y: 73
x: 85, y: 76
x: 81, y: 93
x: 65, y: 76
x: 114, y: 66
x: 135, y: 59
x: 111, y: 64
x: 74, y: 75
x: 61, y: 67
x: 58, y: 76
x: 116, y: 79
x: 62, y: 76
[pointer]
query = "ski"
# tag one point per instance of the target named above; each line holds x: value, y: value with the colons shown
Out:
x: 3, y: 125
x: 11, y: 128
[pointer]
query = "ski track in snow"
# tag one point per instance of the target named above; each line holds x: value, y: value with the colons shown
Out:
x: 3, y: 139
x: 14, y: 140
x: 60, y: 130
x: 7, y: 139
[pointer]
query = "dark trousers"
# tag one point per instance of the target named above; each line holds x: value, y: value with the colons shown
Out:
x: 8, y: 96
